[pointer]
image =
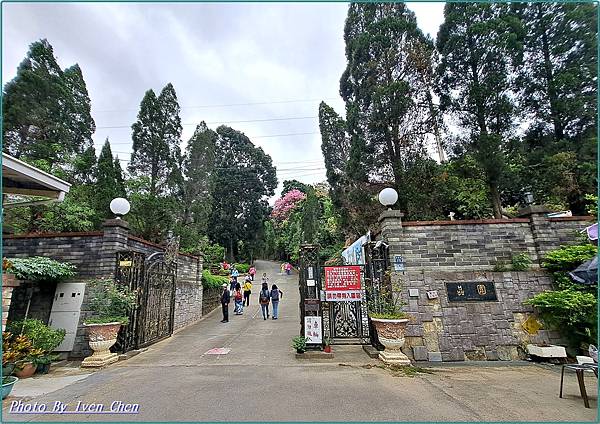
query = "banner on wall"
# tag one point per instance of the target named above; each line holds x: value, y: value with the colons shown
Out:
x: 355, y: 253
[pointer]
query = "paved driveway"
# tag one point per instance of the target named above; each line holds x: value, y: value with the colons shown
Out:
x: 261, y: 380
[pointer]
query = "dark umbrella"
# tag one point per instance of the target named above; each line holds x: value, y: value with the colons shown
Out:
x: 586, y: 273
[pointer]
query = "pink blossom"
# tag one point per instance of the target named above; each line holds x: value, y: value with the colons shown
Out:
x: 285, y: 205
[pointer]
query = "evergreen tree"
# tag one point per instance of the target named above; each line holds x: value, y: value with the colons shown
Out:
x: 109, y: 182
x: 35, y: 119
x: 81, y: 123
x: 387, y: 95
x: 476, y: 43
x: 243, y: 179
x: 198, y: 166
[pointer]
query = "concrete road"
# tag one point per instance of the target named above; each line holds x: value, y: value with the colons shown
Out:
x: 261, y: 380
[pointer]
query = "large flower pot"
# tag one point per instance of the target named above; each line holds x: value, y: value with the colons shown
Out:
x: 8, y: 386
x: 27, y: 370
x: 102, y: 338
x: 390, y: 333
x: 8, y: 369
x: 43, y: 368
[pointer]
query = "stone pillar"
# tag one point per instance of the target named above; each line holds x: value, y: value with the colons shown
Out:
x: 9, y: 282
x: 540, y: 227
x: 390, y: 222
x: 116, y: 233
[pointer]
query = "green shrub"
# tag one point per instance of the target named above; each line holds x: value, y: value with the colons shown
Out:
x: 111, y: 302
x: 592, y: 204
x: 568, y: 258
x: 242, y: 268
x: 520, y: 262
x: 571, y: 311
x: 40, y: 268
x: 499, y: 267
x: 41, y: 336
x: 213, y: 281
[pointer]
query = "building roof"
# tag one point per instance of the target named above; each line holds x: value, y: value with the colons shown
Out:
x: 21, y: 178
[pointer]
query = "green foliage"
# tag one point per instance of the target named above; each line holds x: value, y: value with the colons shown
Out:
x: 41, y: 336
x: 212, y: 252
x: 299, y: 343
x: 569, y: 257
x: 111, y: 302
x: 499, y: 267
x: 70, y: 215
x: 244, y: 177
x: 39, y: 268
x: 109, y: 182
x: 592, y: 207
x: 386, y: 302
x: 520, y: 262
x: 242, y: 268
x: 572, y: 312
x: 213, y: 281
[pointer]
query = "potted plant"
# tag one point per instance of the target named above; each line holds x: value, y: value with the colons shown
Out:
x: 42, y: 337
x: 385, y: 311
x: 327, y: 348
x: 7, y: 384
x: 9, y: 355
x: 299, y: 343
x: 111, y: 306
x: 25, y: 354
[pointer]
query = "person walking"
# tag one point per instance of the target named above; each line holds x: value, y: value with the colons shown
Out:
x: 282, y: 268
x: 225, y: 298
x: 288, y: 268
x: 264, y: 278
x: 237, y: 297
x: 275, y: 295
x: 247, y: 291
x: 231, y: 285
x: 263, y: 299
x: 252, y: 271
x: 235, y: 273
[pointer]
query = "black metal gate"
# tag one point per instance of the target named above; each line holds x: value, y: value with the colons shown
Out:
x: 154, y: 279
x: 377, y: 278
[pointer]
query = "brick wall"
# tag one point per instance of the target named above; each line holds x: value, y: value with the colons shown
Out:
x: 94, y: 255
x: 458, y: 251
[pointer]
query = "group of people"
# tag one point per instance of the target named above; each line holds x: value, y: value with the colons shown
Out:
x: 287, y: 267
x: 241, y: 295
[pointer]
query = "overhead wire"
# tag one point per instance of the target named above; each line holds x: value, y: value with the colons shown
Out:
x: 225, y: 122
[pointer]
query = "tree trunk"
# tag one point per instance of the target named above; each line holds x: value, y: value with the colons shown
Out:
x: 495, y: 194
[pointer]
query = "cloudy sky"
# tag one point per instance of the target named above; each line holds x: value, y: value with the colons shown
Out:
x: 260, y: 68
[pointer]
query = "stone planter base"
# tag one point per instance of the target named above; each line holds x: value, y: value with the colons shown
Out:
x: 102, y: 338
x: 394, y: 357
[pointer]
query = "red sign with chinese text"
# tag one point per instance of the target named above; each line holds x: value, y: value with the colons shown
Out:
x: 342, y: 278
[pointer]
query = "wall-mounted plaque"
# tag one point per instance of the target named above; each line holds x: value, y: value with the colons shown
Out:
x: 469, y: 291
x: 312, y: 305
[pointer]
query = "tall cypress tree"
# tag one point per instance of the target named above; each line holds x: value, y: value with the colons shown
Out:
x: 386, y: 95
x: 35, y: 119
x: 476, y: 43
x: 109, y: 182
x: 81, y: 123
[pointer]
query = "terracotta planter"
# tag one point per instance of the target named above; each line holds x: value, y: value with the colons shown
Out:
x: 27, y: 371
x: 390, y: 333
x: 102, y: 338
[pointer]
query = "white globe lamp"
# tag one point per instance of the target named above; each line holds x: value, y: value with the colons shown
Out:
x: 388, y: 196
x: 119, y: 207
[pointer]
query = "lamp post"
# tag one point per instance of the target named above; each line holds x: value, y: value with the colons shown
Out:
x: 120, y: 207
x: 388, y: 197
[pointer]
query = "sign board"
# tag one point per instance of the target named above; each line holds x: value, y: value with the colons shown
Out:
x: 312, y: 330
x: 310, y: 283
x: 398, y: 263
x: 471, y: 291
x: 310, y: 273
x: 312, y: 305
x: 342, y: 283
x: 355, y: 253
x: 124, y: 263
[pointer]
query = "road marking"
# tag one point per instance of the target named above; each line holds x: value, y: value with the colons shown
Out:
x: 218, y: 351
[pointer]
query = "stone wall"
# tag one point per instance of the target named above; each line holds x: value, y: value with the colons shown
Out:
x: 94, y: 255
x: 438, y: 252
x: 211, y: 299
x: 441, y: 330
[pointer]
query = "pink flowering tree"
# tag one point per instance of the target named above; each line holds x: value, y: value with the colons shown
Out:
x: 285, y: 205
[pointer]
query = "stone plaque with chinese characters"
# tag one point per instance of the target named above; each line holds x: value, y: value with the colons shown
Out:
x: 469, y: 291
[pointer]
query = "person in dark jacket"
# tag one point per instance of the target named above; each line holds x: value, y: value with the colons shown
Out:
x: 225, y: 298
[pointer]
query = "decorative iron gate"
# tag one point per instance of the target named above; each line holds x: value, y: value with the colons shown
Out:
x: 377, y: 278
x: 157, y: 301
x: 154, y: 279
